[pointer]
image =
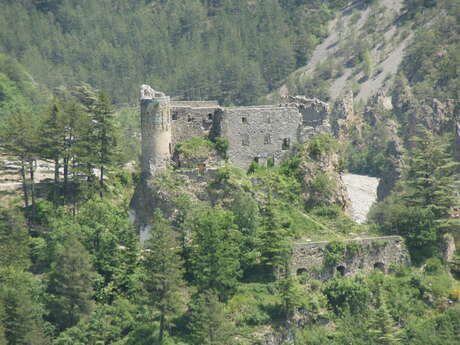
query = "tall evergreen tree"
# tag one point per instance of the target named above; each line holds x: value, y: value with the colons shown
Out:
x: 216, y: 251
x: 70, y: 284
x: 163, y: 272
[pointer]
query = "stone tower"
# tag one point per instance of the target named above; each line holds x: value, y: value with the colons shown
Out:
x: 156, y: 130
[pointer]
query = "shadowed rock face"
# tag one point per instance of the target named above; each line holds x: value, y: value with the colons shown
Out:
x: 359, y: 255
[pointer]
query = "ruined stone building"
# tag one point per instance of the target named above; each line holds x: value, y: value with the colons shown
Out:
x: 257, y: 133
x: 355, y: 255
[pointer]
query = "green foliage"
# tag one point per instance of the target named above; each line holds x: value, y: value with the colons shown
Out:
x: 215, y: 257
x: 70, y: 285
x: 163, y: 273
x: 334, y: 253
x: 254, y: 304
x: 322, y: 144
x: 14, y: 240
x: 208, y: 324
x: 196, y: 147
x: 347, y: 295
x: 221, y: 145
x: 21, y: 308
x: 233, y: 51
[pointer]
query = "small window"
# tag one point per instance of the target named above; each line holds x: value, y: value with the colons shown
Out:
x: 189, y: 119
x: 170, y: 148
x: 286, y: 144
x: 209, y: 116
x: 267, y: 139
x: 245, y: 140
x: 244, y: 120
x: 256, y: 159
x: 174, y: 116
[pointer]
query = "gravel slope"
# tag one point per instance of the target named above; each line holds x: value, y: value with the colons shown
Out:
x: 362, y: 191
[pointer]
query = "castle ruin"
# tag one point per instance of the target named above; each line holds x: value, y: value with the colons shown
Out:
x: 262, y: 134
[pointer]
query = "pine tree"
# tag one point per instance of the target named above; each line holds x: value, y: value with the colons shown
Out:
x: 163, y: 272
x: 431, y: 180
x: 215, y: 254
x: 382, y: 328
x: 273, y: 241
x: 208, y: 324
x: 105, y: 137
x: 70, y: 284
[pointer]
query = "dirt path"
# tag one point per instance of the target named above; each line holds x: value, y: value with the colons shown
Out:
x: 362, y: 191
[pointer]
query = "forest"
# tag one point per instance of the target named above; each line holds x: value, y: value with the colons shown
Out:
x: 216, y: 272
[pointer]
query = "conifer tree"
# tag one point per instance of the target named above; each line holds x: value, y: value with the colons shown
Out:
x: 382, y: 328
x: 273, y: 240
x: 215, y: 256
x: 208, y: 324
x: 163, y: 273
x: 70, y: 284
x: 431, y: 180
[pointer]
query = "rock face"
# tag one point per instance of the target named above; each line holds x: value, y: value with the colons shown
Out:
x: 322, y: 170
x: 345, y: 120
x: 358, y: 255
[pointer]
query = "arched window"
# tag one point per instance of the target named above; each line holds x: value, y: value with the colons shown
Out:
x: 379, y: 266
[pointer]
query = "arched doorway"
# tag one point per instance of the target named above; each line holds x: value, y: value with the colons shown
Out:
x: 301, y: 271
x: 379, y: 266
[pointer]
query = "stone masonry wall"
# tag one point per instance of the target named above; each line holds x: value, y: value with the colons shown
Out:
x: 195, y: 104
x: 258, y: 133
x: 370, y: 254
x: 189, y: 122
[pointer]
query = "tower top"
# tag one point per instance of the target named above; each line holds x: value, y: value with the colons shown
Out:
x: 147, y: 92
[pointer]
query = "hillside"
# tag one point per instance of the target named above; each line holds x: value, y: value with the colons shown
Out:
x: 234, y: 51
x: 329, y: 217
x: 365, y: 49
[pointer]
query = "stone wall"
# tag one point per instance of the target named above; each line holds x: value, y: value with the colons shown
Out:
x: 367, y: 255
x: 189, y: 122
x: 156, y: 134
x: 195, y: 104
x: 258, y: 133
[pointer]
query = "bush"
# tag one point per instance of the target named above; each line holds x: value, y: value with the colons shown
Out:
x: 347, y: 295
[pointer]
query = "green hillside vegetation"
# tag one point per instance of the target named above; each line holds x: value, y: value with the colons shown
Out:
x: 230, y: 50
x: 216, y: 272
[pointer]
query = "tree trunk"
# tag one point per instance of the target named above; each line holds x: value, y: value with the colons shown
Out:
x: 162, y: 327
x: 66, y: 177
x: 32, y: 187
x: 56, y: 180
x: 101, y: 182
x: 24, y: 186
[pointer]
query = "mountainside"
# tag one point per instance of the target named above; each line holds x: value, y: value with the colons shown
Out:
x: 177, y: 221
x: 233, y: 50
x: 368, y: 43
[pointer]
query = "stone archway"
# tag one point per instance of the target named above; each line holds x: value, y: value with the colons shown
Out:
x: 301, y: 271
x: 379, y: 266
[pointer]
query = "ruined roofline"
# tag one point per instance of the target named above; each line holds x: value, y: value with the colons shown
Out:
x: 358, y: 239
x: 173, y: 106
x: 194, y: 104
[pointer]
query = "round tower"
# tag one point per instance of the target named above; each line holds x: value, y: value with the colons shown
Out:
x: 156, y: 130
